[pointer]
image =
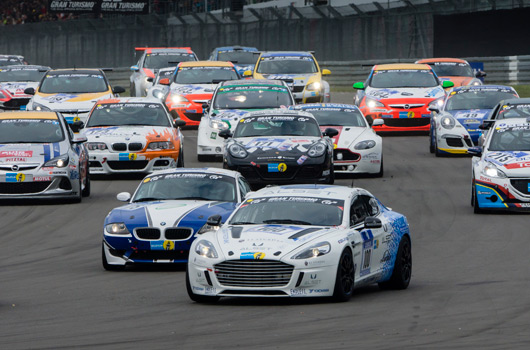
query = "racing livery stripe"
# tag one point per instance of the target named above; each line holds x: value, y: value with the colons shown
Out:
x: 56, y: 150
x: 46, y: 148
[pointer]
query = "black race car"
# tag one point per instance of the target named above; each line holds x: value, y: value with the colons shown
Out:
x: 280, y: 146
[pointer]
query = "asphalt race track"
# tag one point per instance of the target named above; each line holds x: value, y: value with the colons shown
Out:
x: 470, y: 283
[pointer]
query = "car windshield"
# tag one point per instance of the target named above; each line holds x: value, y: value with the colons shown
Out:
x: 476, y: 99
x: 277, y: 126
x: 287, y: 65
x: 119, y: 114
x: 21, y: 74
x: 163, y: 74
x: 337, y: 116
x: 452, y: 69
x: 238, y: 56
x: 512, y: 138
x: 30, y: 131
x: 252, y: 97
x: 73, y: 83
x: 403, y: 78
x: 9, y: 61
x: 187, y: 186
x: 159, y: 60
x: 205, y: 75
x: 289, y: 210
x: 514, y: 111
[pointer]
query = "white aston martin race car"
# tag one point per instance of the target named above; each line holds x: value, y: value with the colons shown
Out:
x: 14, y: 80
x: 301, y: 241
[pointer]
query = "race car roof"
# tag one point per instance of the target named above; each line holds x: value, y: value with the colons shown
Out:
x: 286, y: 53
x: 213, y: 171
x: 205, y: 64
x: 28, y: 115
x: 278, y: 112
x: 245, y: 82
x: 76, y: 71
x: 236, y: 48
x: 130, y: 100
x: 327, y: 191
x: 407, y: 66
x: 25, y: 66
x: 186, y: 49
x: 323, y: 106
x: 482, y: 88
x: 446, y: 59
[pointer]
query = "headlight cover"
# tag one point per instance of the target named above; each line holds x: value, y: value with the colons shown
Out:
x: 178, y: 98
x: 218, y: 124
x: 317, y: 150
x: 205, y: 228
x: 117, y: 228
x: 158, y: 94
x: 237, y: 151
x: 39, y: 107
x: 160, y: 145
x: 315, y: 86
x: 372, y: 103
x: 206, y: 249
x: 314, y: 251
x: 438, y: 103
x: 58, y: 162
x: 447, y: 122
x: 93, y: 146
x: 491, y: 170
x: 366, y: 144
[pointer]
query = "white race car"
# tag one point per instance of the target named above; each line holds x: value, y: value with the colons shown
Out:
x: 14, y: 80
x: 133, y: 134
x: 357, y: 148
x: 158, y: 90
x: 501, y: 168
x: 301, y: 241
x: 231, y: 100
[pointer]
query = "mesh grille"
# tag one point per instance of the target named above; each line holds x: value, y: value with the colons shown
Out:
x: 404, y: 122
x: 454, y: 142
x: 178, y: 233
x: 127, y: 164
x: 346, y: 155
x: 23, y: 187
x: 193, y: 116
x: 120, y: 146
x: 521, y: 185
x: 135, y: 146
x: 148, y: 233
x: 253, y: 273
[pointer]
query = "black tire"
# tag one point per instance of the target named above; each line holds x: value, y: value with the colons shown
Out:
x: 431, y: 141
x: 331, y: 178
x: 180, y: 159
x: 381, y: 170
x: 199, y: 298
x: 476, y: 206
x: 132, y: 93
x: 402, y: 272
x: 78, y: 197
x: 437, y: 153
x: 86, y: 190
x: 345, y: 279
x: 106, y: 264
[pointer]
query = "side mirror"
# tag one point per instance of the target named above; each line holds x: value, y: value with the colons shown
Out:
x: 330, y: 132
x: 118, y: 90
x: 164, y: 81
x: 475, y: 151
x: 326, y: 72
x: 247, y: 73
x: 434, y: 109
x: 359, y: 85
x: 79, y: 139
x: 372, y: 222
x: 178, y: 123
x: 378, y: 122
x: 150, y: 80
x: 135, y: 68
x: 76, y: 126
x: 225, y: 134
x: 486, y: 124
x: 214, y: 220
x: 447, y: 84
x: 29, y: 91
x: 480, y: 74
x: 123, y: 196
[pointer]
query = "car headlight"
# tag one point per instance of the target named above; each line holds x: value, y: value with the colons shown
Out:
x: 317, y: 150
x: 158, y: 94
x: 438, y: 103
x: 314, y: 251
x: 366, y: 144
x: 237, y: 151
x: 178, y: 98
x: 57, y: 162
x: 160, y: 145
x: 205, y: 228
x: 475, y: 82
x: 218, y: 124
x: 39, y: 107
x: 93, y: 146
x: 316, y: 86
x: 447, y: 122
x: 372, y: 103
x: 492, y: 171
x: 206, y: 249
x: 117, y: 228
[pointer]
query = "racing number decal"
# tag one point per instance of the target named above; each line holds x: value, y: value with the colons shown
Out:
x: 132, y: 156
x: 169, y: 245
x: 20, y: 177
x: 410, y: 115
x: 368, y: 243
x: 282, y: 167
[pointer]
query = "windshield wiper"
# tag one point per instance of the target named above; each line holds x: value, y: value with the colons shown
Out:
x: 148, y: 199
x: 286, y: 221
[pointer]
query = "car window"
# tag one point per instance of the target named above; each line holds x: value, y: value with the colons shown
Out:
x: 358, y: 211
x: 244, y: 187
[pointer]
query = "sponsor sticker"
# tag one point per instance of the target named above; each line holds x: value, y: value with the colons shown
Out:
x: 41, y: 178
x: 15, y: 177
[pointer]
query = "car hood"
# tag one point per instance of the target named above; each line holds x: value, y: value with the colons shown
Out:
x: 129, y: 133
x: 347, y: 134
x: 298, y: 79
x: 470, y: 119
x: 242, y: 68
x: 513, y: 164
x: 396, y: 93
x: 286, y: 145
x: 231, y: 116
x: 31, y: 153
x: 272, y: 241
x: 16, y: 89
x: 458, y: 81
x: 70, y: 101
x: 192, y: 89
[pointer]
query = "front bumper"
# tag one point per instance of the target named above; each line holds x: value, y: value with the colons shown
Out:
x: 208, y: 141
x: 415, y: 119
x: 190, y: 112
x: 456, y: 140
x: 356, y: 162
x: 39, y: 184
x: 301, y: 95
x: 506, y: 194
x: 14, y: 103
x: 114, y: 162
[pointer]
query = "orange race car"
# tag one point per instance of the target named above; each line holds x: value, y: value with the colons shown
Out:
x: 454, y: 69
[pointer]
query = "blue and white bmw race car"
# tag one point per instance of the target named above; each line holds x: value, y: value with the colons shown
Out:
x: 166, y: 213
x: 301, y: 241
x: 501, y: 169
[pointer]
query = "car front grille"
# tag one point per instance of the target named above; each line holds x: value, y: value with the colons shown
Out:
x: 407, y: 106
x: 407, y: 122
x: 119, y: 146
x: 194, y: 116
x: 148, y: 233
x: 23, y: 187
x: 160, y: 255
x: 122, y: 146
x: 253, y: 273
x: 135, y: 146
x: 454, y: 142
x: 521, y: 185
x: 346, y: 154
x: 16, y: 102
x: 127, y: 164
x: 178, y: 233
x: 298, y: 88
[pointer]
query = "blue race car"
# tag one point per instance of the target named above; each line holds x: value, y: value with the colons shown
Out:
x: 243, y: 57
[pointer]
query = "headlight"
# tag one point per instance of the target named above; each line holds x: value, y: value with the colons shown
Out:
x: 117, y: 228
x: 447, y: 122
x: 372, y: 103
x: 160, y: 145
x: 315, y: 250
x: 218, y: 124
x: 367, y: 144
x: 438, y: 103
x: 206, y: 249
x: 237, y: 151
x: 178, y: 98
x: 39, y: 107
x: 314, y: 86
x: 57, y: 162
x: 93, y: 146
x: 317, y: 150
x: 475, y: 82
x: 492, y: 171
x: 158, y: 94
x: 205, y: 228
